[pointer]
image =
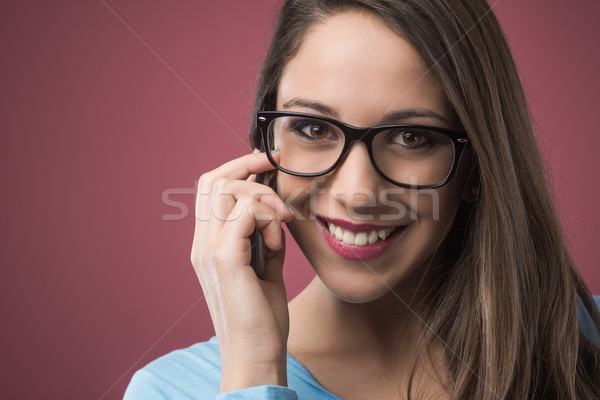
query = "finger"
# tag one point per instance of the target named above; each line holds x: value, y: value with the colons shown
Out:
x: 249, y: 214
x: 222, y: 203
x: 274, y: 261
x: 258, y: 191
x: 242, y: 167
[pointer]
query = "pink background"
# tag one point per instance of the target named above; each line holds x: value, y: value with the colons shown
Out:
x: 102, y: 111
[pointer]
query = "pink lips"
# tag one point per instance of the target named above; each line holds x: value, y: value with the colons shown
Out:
x: 353, y: 252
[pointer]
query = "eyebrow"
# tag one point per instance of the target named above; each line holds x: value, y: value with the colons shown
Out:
x: 388, y: 118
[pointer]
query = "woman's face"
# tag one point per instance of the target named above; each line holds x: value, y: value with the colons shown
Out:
x: 356, y: 70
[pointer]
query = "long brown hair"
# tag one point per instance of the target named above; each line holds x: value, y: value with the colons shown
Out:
x: 507, y: 308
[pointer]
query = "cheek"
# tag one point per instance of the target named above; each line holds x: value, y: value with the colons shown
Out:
x: 429, y: 214
x: 435, y: 210
x: 435, y: 205
x: 297, y: 191
x: 422, y: 206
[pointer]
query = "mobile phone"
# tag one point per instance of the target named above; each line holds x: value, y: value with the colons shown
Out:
x: 258, y: 248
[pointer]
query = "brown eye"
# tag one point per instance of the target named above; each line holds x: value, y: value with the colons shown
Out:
x: 411, y: 138
x: 313, y: 131
x: 318, y: 131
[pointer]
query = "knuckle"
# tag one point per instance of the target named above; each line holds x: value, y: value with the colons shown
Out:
x: 263, y: 213
x: 220, y: 185
x: 265, y: 192
x: 246, y: 202
x: 205, y: 182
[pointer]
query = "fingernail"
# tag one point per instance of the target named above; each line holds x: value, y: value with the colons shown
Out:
x: 256, y: 150
x: 291, y: 210
x: 275, y: 151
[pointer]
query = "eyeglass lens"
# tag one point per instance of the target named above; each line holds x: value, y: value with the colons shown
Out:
x: 414, y: 156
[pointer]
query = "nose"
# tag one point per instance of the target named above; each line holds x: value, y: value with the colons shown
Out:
x: 355, y: 183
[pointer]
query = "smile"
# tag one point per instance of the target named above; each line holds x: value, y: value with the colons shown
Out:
x: 359, y: 238
x: 358, y: 242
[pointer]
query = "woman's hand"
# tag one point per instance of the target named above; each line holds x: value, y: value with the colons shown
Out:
x: 250, y: 315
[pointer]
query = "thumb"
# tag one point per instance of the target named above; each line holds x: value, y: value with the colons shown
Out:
x: 274, y: 262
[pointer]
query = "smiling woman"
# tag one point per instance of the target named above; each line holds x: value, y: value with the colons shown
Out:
x: 362, y: 72
x: 401, y: 157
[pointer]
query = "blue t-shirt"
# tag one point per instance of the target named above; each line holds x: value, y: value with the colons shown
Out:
x: 195, y: 373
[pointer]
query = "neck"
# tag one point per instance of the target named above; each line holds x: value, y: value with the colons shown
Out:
x: 322, y: 323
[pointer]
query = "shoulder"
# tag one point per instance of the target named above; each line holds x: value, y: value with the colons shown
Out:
x: 180, y: 374
x: 195, y: 373
x: 585, y: 322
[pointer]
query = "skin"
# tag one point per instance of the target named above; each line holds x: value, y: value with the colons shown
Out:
x: 355, y: 326
x: 358, y: 67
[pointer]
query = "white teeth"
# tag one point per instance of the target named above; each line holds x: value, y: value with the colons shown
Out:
x: 384, y: 233
x: 359, y: 238
x: 348, y: 238
x: 372, y: 237
x: 338, y: 233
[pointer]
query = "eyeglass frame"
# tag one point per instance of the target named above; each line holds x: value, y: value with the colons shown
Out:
x: 353, y: 134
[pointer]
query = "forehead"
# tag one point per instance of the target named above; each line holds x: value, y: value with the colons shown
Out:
x: 355, y: 64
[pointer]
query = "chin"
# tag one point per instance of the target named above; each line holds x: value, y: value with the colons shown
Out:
x: 357, y: 297
x: 355, y: 284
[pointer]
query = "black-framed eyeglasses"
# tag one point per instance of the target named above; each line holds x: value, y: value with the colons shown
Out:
x: 411, y: 156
